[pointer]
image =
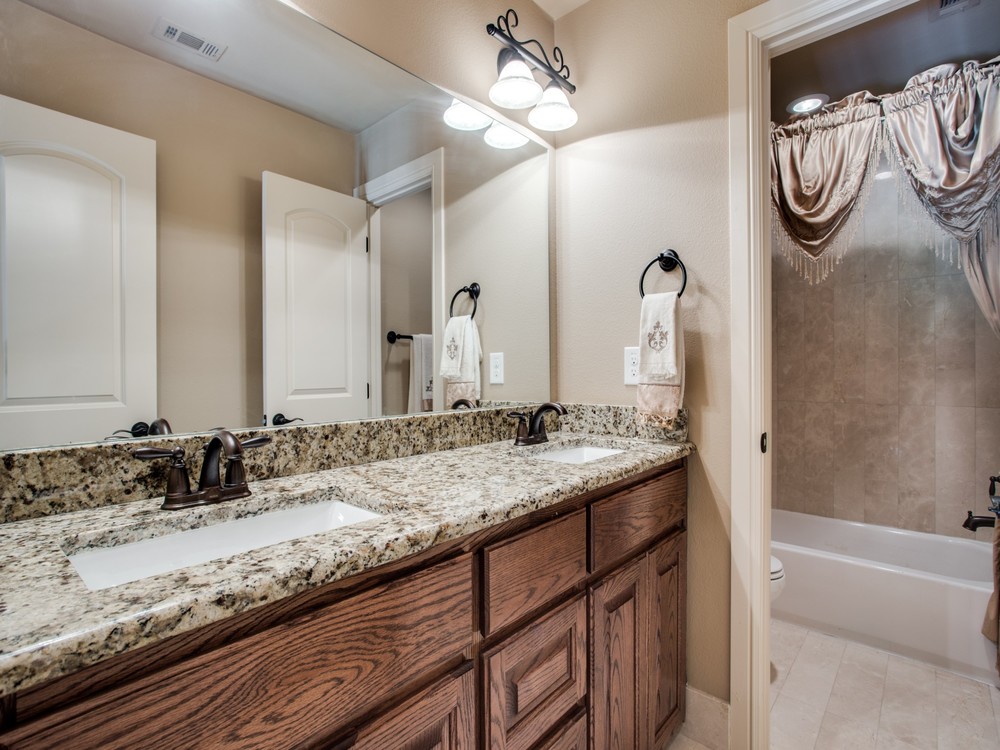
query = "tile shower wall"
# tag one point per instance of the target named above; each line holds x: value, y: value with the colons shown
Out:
x: 886, y: 384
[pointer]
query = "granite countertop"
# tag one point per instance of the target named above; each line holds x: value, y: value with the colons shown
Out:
x: 52, y: 625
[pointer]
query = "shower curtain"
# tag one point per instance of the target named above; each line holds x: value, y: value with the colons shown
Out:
x: 941, y: 136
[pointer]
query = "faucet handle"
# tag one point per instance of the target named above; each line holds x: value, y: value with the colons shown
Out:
x: 235, y: 472
x: 178, y: 483
x: 255, y: 442
x: 522, y: 427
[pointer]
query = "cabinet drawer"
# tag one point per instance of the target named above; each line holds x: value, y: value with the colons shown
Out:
x: 281, y: 687
x: 525, y: 572
x: 536, y: 677
x: 442, y: 717
x: 573, y: 737
x: 626, y: 522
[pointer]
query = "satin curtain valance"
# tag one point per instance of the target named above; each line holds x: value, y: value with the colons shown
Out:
x: 945, y: 129
x: 942, y: 131
x: 818, y: 169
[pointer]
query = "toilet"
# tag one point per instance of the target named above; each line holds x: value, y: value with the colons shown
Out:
x: 777, y: 577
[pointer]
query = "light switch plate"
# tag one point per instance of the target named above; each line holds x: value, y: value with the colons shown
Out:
x: 631, y: 365
x: 496, y: 368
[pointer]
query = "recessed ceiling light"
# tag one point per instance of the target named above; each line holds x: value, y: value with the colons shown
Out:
x: 808, y: 103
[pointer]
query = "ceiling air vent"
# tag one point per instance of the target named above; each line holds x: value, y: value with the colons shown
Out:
x: 942, y: 8
x: 171, y: 32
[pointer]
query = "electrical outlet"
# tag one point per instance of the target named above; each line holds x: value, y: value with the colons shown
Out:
x: 496, y: 368
x: 631, y: 365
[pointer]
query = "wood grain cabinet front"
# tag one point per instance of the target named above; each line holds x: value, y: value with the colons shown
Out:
x: 638, y: 666
x: 573, y: 736
x: 442, y: 717
x: 626, y: 522
x: 536, y: 677
x: 526, y: 572
x: 286, y: 686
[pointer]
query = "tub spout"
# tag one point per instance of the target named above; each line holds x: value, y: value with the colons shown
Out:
x: 976, y: 522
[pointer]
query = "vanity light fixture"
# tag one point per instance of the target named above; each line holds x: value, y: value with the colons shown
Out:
x: 501, y: 136
x: 463, y: 117
x: 806, y: 104
x: 553, y: 111
x: 516, y: 87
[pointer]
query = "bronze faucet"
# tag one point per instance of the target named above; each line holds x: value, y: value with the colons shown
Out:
x: 211, y: 488
x: 531, y: 431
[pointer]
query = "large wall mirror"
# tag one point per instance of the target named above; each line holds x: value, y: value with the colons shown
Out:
x: 290, y: 97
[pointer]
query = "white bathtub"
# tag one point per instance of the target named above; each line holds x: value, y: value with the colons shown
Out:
x: 919, y: 595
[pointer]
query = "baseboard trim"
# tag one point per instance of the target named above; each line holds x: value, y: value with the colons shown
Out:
x: 706, y: 719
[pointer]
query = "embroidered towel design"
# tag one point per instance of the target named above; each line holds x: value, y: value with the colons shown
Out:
x: 658, y: 338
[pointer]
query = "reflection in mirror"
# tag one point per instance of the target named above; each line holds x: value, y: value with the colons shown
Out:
x: 288, y: 96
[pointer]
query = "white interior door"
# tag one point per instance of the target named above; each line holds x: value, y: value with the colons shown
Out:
x: 77, y: 277
x: 316, y: 342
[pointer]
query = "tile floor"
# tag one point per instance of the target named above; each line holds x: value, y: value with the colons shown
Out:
x: 833, y: 694
x: 682, y: 742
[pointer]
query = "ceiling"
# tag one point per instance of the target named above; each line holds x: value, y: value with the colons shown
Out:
x: 558, y: 8
x: 271, y: 51
x: 882, y: 55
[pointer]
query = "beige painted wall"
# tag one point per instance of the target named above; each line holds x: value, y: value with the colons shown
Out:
x: 213, y: 142
x: 497, y: 235
x: 406, y: 289
x: 646, y: 168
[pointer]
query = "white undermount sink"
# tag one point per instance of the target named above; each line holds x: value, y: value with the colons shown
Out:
x: 578, y: 454
x: 104, y: 567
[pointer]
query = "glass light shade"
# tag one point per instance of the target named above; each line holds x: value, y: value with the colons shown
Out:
x: 553, y: 111
x: 500, y: 136
x: 463, y: 117
x: 808, y: 103
x: 516, y: 88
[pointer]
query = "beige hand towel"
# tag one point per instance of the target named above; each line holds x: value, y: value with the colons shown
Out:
x: 660, y: 393
x: 658, y: 327
x: 461, y: 356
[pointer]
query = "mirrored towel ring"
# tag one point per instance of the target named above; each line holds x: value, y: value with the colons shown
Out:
x: 472, y: 290
x: 668, y: 260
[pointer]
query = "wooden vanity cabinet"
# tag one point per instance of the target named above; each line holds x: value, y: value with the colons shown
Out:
x: 294, y: 685
x: 559, y: 630
x: 634, y: 590
x: 638, y: 667
x: 442, y: 717
x: 535, y: 678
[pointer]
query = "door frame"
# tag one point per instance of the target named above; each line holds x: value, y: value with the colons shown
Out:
x: 412, y: 177
x: 770, y: 29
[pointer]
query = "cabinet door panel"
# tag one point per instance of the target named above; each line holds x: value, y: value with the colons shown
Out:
x: 665, y: 570
x: 439, y: 718
x: 534, y: 678
x: 617, y: 643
